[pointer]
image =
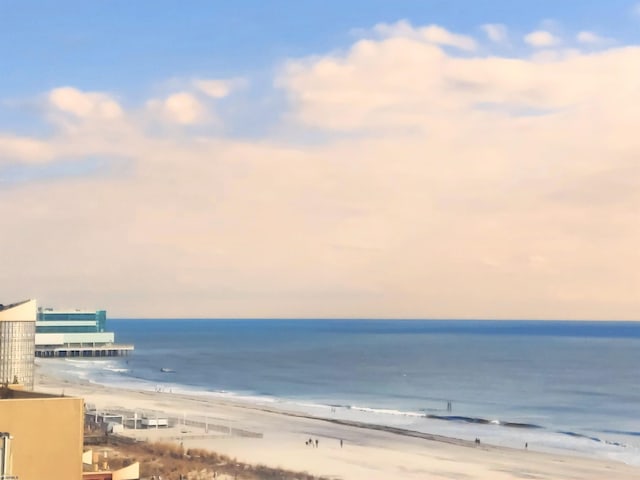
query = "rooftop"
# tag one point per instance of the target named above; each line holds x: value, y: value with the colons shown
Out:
x: 25, y: 311
x: 66, y: 310
x: 11, y: 305
x: 13, y: 393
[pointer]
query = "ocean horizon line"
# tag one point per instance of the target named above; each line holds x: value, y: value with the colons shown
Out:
x: 383, y: 319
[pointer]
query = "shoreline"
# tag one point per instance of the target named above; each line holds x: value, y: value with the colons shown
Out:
x: 447, y: 426
x: 348, y: 450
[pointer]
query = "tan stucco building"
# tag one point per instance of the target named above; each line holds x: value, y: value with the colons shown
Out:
x: 47, y: 434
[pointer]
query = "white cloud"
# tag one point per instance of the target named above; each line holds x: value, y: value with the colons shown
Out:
x: 496, y: 32
x: 401, y: 28
x: 181, y: 108
x: 216, y: 88
x: 590, y: 38
x: 184, y: 108
x: 84, y: 104
x: 541, y: 39
x: 498, y: 141
x: 441, y: 36
x: 23, y: 149
x: 512, y: 184
x: 431, y: 34
x: 213, y: 88
x: 448, y: 85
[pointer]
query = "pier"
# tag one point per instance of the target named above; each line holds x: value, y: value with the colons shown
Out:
x: 113, y: 350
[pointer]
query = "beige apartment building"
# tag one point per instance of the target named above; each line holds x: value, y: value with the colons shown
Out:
x: 46, y: 434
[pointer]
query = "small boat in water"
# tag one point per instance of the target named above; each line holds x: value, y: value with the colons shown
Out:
x: 167, y: 370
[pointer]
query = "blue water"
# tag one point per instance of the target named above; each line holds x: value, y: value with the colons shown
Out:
x: 574, y: 385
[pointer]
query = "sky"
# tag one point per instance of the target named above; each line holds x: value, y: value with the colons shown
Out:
x: 324, y: 159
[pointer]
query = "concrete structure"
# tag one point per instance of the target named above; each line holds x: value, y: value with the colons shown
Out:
x: 98, y: 468
x: 132, y: 472
x: 6, y: 456
x: 47, y: 434
x: 75, y: 333
x: 155, y: 422
x: 17, y: 343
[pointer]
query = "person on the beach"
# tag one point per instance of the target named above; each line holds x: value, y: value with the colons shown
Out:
x: 340, y: 443
x: 316, y: 443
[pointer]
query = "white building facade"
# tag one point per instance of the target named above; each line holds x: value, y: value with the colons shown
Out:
x: 17, y: 342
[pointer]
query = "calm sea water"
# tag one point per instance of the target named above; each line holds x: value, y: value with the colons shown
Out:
x: 559, y: 386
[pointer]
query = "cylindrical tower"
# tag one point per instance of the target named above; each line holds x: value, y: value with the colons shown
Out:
x: 17, y: 343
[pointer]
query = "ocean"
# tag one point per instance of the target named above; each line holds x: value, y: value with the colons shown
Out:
x: 569, y: 387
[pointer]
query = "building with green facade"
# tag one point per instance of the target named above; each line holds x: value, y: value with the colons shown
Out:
x: 75, y: 333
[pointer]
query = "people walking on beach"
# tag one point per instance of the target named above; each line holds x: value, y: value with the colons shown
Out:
x: 340, y: 443
x: 316, y: 443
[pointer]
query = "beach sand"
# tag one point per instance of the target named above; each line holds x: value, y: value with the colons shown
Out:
x: 368, y: 452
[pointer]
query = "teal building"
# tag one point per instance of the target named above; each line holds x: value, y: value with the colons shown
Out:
x: 77, y: 321
x: 75, y: 333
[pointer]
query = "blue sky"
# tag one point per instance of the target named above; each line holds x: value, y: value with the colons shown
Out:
x: 130, y: 46
x: 277, y: 158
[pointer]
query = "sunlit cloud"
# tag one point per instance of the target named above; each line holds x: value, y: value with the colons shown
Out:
x: 218, y: 88
x: 496, y: 32
x: 22, y: 149
x: 541, y: 39
x: 431, y: 34
x: 84, y: 104
x: 590, y: 38
x: 447, y: 182
x: 181, y: 107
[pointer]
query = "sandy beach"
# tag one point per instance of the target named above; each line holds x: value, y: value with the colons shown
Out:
x: 260, y: 434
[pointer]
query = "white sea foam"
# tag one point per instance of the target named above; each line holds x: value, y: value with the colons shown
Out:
x: 386, y: 411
